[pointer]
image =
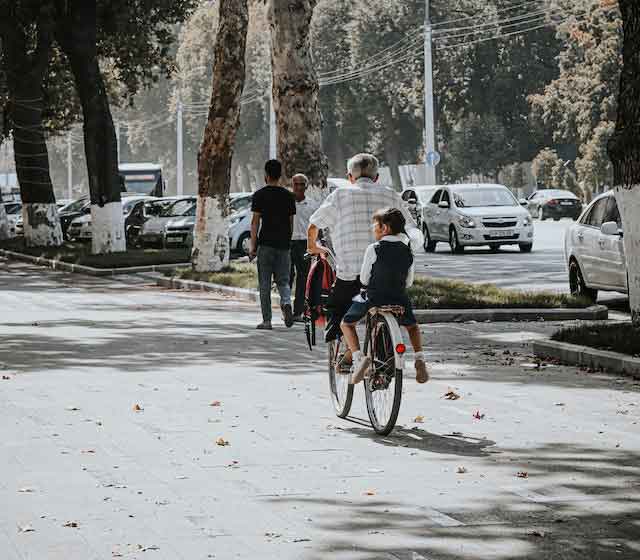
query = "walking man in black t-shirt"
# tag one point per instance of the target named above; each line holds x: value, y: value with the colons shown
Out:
x: 273, y: 208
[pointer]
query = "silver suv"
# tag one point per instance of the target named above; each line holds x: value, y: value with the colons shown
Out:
x: 474, y: 215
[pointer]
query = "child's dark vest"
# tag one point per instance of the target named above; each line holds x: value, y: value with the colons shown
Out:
x: 387, y: 285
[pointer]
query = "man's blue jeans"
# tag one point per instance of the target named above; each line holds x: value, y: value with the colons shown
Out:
x: 273, y: 263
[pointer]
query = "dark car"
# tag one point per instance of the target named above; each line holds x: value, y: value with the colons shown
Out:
x: 72, y: 211
x: 554, y: 203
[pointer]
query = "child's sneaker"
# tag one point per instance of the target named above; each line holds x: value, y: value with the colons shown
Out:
x: 422, y: 373
x: 360, y: 369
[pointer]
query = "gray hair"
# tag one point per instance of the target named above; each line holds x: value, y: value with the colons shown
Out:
x: 302, y: 177
x: 363, y: 165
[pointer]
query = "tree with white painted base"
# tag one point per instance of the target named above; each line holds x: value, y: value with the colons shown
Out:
x: 624, y: 149
x: 295, y: 92
x: 4, y: 221
x: 211, y: 242
x: 26, y: 33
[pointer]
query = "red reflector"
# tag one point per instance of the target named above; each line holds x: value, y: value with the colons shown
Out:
x: 401, y: 348
x: 552, y: 202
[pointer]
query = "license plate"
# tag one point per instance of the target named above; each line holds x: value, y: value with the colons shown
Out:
x: 567, y: 203
x: 174, y: 237
x: 501, y: 233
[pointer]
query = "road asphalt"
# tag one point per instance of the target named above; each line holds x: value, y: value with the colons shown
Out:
x: 143, y: 423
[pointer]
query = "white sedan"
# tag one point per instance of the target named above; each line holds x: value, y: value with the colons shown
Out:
x: 594, y: 250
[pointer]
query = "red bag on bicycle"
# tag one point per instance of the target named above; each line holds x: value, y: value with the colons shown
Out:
x: 320, y: 279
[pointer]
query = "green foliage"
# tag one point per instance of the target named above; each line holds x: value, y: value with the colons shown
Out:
x: 623, y: 337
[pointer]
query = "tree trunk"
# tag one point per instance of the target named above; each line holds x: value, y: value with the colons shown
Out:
x: 77, y: 35
x: 211, y: 241
x: 624, y: 149
x: 25, y: 75
x: 4, y: 221
x: 295, y: 92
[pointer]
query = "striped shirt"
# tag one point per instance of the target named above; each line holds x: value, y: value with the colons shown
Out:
x: 304, y: 210
x: 348, y: 212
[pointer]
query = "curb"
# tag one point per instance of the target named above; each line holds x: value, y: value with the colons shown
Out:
x: 69, y: 267
x: 593, y: 313
x: 573, y: 354
x: 423, y: 316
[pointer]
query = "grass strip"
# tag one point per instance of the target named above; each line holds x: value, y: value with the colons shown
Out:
x: 622, y: 337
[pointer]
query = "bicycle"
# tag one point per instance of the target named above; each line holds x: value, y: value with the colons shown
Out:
x: 382, y: 343
x: 383, y: 385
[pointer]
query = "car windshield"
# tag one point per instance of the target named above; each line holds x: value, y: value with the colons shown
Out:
x: 562, y: 194
x: 179, y: 208
x: 472, y: 198
x: 425, y: 194
x: 74, y: 206
x: 12, y: 208
x: 128, y: 206
x: 156, y: 207
x: 239, y: 203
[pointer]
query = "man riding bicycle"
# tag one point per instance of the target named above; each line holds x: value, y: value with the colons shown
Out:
x: 347, y: 213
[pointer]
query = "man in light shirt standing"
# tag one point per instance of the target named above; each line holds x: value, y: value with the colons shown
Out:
x: 348, y: 212
x: 299, y: 266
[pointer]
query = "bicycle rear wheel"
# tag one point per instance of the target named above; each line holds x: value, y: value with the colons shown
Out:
x: 341, y: 389
x: 383, y: 387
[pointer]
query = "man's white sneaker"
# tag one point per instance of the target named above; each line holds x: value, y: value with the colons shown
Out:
x: 360, y: 369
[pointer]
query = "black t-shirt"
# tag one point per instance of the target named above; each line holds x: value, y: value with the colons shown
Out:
x: 276, y: 206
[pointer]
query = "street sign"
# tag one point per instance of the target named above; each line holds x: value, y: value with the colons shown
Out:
x: 432, y: 159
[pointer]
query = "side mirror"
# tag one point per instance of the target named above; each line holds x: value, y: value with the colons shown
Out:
x: 443, y: 204
x: 524, y: 202
x: 610, y: 228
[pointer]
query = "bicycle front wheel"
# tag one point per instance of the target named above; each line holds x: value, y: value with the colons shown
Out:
x: 339, y: 386
x: 383, y: 387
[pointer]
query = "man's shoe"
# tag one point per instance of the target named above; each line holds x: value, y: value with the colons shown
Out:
x: 298, y: 319
x: 264, y: 326
x: 287, y: 315
x: 361, y: 369
x: 422, y: 373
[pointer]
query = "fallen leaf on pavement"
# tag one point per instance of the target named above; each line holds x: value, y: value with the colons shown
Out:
x: 451, y: 396
x: 536, y: 534
x: 370, y: 493
x: 25, y: 490
x: 522, y: 474
x: 216, y: 403
x: 301, y: 540
x: 461, y: 470
x: 71, y: 524
x: 419, y: 419
x: 88, y: 451
x: 72, y: 408
x: 222, y: 442
x: 6, y: 377
x: 477, y: 415
x: 137, y: 408
x: 27, y: 528
x: 559, y: 404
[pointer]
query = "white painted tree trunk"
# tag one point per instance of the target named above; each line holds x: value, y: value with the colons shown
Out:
x: 107, y: 228
x: 211, y: 239
x: 41, y: 224
x: 4, y: 223
x: 629, y: 204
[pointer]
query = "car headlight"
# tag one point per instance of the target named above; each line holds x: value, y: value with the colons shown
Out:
x: 527, y: 221
x: 466, y: 221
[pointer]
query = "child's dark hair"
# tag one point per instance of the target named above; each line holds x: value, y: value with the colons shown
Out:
x: 393, y: 218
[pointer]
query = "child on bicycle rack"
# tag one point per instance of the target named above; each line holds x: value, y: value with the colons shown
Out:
x: 387, y: 272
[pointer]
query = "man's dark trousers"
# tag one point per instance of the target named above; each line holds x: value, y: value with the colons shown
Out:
x: 299, y: 271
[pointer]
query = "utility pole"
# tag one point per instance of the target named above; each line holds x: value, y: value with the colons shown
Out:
x: 179, y: 151
x: 69, y: 168
x: 273, y: 148
x: 118, y: 140
x: 429, y: 125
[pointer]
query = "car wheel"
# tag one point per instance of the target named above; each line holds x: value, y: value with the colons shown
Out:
x: 556, y: 219
x: 454, y: 242
x: 428, y: 244
x: 577, y: 285
x: 525, y: 247
x: 494, y: 247
x: 541, y: 215
x: 243, y: 243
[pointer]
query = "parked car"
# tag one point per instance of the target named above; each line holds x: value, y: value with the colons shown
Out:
x: 416, y: 199
x: 474, y: 215
x: 73, y: 210
x: 179, y: 231
x: 14, y: 213
x: 554, y: 203
x: 594, y: 250
x: 239, y: 202
x: 240, y: 232
x: 157, y: 214
x: 80, y: 228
